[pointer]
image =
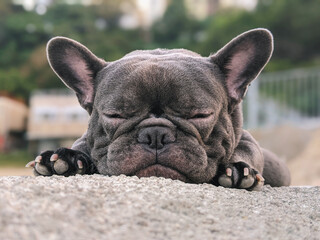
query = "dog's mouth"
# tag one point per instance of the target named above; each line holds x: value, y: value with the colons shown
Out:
x: 158, y: 170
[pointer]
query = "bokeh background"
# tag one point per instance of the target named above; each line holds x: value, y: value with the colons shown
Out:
x: 282, y: 108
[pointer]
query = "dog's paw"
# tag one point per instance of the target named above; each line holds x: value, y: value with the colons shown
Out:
x: 63, y: 161
x: 239, y: 175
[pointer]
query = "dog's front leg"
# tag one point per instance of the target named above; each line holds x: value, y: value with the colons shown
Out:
x: 65, y: 161
x: 244, y: 170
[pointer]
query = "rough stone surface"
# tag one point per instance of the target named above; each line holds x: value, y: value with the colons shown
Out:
x: 100, y: 207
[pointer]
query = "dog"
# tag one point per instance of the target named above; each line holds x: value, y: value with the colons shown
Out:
x: 166, y: 113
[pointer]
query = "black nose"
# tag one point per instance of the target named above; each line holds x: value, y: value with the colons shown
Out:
x: 156, y: 137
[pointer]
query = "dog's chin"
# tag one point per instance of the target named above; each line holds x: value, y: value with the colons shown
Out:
x: 158, y: 170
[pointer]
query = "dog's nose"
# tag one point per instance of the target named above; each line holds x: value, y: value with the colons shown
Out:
x: 156, y: 137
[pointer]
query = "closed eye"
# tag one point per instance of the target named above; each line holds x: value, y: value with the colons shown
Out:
x: 201, y: 115
x: 113, y: 115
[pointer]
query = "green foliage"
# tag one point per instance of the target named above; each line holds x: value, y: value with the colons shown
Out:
x: 294, y: 24
x: 15, y: 158
x: 24, y: 34
x: 13, y: 82
x: 176, y: 29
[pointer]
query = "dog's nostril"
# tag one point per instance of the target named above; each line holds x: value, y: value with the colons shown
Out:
x: 156, y: 137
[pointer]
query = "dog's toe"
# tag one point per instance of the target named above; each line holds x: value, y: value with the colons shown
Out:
x: 247, y: 182
x: 225, y: 179
x: 42, y: 169
x: 39, y: 167
x: 60, y: 166
x: 248, y: 177
x: 260, y: 182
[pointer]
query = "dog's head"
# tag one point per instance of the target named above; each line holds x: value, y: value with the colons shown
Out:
x: 169, y: 113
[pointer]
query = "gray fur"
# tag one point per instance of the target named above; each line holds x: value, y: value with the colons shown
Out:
x: 191, y: 103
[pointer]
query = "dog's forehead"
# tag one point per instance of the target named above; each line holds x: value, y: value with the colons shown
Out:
x: 152, y: 67
x: 165, y: 77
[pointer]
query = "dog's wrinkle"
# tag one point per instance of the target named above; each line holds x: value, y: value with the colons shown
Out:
x: 127, y: 127
x: 100, y: 144
x: 156, y: 122
x: 187, y: 128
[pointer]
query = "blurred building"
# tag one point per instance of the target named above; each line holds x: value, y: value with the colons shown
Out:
x: 147, y: 12
x: 143, y: 13
x: 245, y: 4
x: 55, y: 120
x: 200, y: 9
x: 13, y: 122
x: 282, y: 98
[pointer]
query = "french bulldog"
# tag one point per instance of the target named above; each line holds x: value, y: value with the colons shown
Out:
x: 166, y: 113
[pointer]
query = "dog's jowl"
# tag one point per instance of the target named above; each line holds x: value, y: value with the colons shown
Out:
x: 166, y: 113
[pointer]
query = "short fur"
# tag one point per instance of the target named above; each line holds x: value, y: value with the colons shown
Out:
x: 167, y: 113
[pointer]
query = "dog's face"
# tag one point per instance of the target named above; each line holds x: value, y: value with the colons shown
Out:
x: 166, y: 113
x: 152, y: 116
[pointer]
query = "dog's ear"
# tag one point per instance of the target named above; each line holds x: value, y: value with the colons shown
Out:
x: 76, y: 66
x: 242, y: 59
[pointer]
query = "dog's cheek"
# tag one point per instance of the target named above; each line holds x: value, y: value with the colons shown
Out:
x: 221, y: 143
x: 109, y: 127
x: 98, y: 140
x: 204, y: 128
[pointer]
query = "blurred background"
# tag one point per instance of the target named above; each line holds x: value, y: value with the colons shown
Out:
x: 281, y: 109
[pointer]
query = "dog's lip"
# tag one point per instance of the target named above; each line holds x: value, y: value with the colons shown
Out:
x: 159, y: 170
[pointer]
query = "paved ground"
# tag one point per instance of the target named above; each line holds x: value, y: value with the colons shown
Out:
x: 100, y: 207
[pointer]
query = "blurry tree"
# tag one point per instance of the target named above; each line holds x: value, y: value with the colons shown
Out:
x: 13, y: 82
x: 176, y: 29
x: 24, y: 34
x: 294, y: 24
x: 17, y: 42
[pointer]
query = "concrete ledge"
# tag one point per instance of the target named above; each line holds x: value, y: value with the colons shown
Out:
x: 100, y: 207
